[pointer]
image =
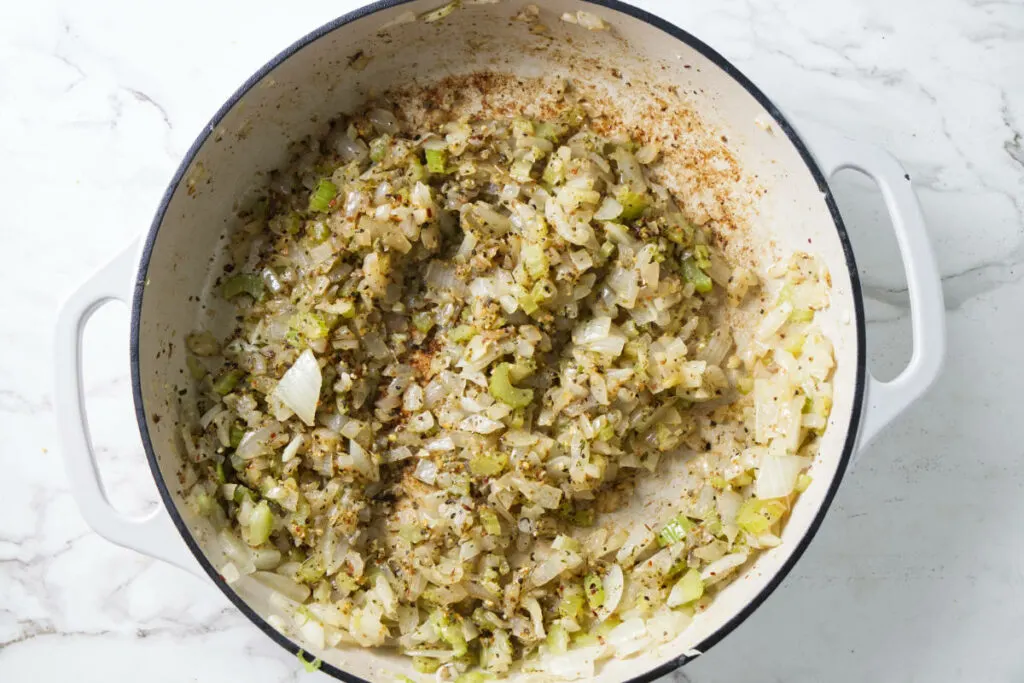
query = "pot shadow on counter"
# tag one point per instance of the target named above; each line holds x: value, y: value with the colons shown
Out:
x: 895, y: 583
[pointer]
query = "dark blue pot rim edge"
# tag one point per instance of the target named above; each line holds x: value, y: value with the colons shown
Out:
x: 675, y: 32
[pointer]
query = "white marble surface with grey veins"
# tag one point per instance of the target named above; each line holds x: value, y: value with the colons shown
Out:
x: 917, y: 573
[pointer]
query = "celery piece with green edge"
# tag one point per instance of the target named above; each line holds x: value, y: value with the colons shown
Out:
x: 558, y: 639
x: 492, y: 525
x: 322, y: 196
x: 488, y: 464
x: 450, y: 631
x: 426, y: 665
x: 549, y: 131
x: 243, y: 283
x: 318, y: 231
x: 757, y: 516
x: 633, y: 204
x: 500, y: 387
x: 310, y: 571
x: 235, y: 434
x: 219, y: 473
x: 801, y: 315
x: 535, y: 260
x: 674, y: 530
x: 261, y: 523
x: 594, y: 588
x: 688, y: 588
x: 679, y: 230
x: 474, y: 677
x: 702, y: 255
x: 227, y: 382
x: 309, y: 666
x: 309, y: 325
x: 195, y: 368
x: 243, y: 492
x: 423, y: 321
x: 583, y: 517
x: 379, y: 148
x: 572, y: 602
x: 437, y: 160
x: 692, y: 273
x: 462, y: 333
x: 417, y: 172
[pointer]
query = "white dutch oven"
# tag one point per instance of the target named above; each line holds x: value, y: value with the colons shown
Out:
x: 168, y: 281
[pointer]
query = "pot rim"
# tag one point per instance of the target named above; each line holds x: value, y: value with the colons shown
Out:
x: 658, y: 23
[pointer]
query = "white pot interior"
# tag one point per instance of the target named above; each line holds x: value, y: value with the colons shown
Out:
x: 770, y: 204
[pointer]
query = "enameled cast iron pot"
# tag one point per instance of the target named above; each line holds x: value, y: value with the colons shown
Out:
x: 167, y: 280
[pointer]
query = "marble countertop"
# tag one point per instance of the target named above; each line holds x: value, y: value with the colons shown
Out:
x: 917, y: 573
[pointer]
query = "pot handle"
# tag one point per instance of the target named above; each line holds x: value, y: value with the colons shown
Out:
x: 153, y: 534
x: 886, y: 400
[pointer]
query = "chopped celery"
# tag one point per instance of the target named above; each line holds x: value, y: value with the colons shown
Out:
x: 535, y: 260
x: 195, y: 368
x: 411, y: 533
x: 745, y: 385
x: 322, y: 196
x: 287, y: 224
x: 756, y: 516
x: 572, y: 602
x: 680, y: 230
x: 423, y: 321
x: 416, y: 170
x: 541, y: 292
x: 474, y: 677
x: 558, y: 639
x: 594, y: 588
x: 633, y: 204
x: 500, y: 387
x: 226, y: 383
x: 379, y: 147
x: 743, y: 479
x: 310, y: 571
x: 692, y: 273
x: 554, y: 172
x: 426, y: 665
x: 235, y: 434
x: 261, y: 523
x: 308, y: 325
x: 488, y: 464
x: 549, y: 131
x: 674, y: 530
x: 522, y: 127
x: 437, y: 160
x: 801, y: 315
x: 802, y: 482
x: 462, y: 333
x: 795, y: 344
x: 688, y: 588
x: 492, y: 525
x: 318, y: 231
x: 450, y: 630
x: 582, y: 517
x: 718, y: 481
x: 702, y: 255
x: 219, y: 473
x: 243, y: 283
x: 347, y: 308
x: 241, y: 493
